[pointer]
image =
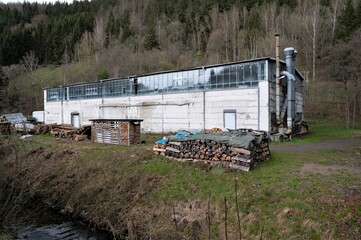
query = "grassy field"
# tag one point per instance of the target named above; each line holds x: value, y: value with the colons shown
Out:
x: 323, y: 131
x: 309, y: 195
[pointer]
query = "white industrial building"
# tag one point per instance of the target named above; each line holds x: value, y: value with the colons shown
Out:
x: 233, y: 95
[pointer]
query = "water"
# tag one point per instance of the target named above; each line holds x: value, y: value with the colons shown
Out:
x: 63, y: 231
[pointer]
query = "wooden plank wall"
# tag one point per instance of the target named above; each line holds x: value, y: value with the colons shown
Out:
x: 114, y: 132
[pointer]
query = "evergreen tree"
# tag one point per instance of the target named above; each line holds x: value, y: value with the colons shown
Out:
x: 109, y: 28
x: 347, y: 23
x: 358, y: 14
x: 102, y: 74
x: 124, y: 23
x: 3, y: 86
x: 150, y: 40
x: 291, y: 3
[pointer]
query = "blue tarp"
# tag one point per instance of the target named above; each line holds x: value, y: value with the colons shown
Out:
x: 161, y: 141
x: 234, y: 138
x: 181, y: 134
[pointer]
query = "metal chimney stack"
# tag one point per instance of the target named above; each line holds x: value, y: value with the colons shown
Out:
x: 291, y: 54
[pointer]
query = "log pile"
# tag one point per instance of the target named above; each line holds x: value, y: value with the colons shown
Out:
x: 134, y: 133
x: 214, y: 130
x: 124, y: 138
x: 44, y: 128
x: 5, y: 126
x: 70, y: 133
x: 159, y: 149
x: 116, y: 131
x: 3, y: 119
x: 211, y: 151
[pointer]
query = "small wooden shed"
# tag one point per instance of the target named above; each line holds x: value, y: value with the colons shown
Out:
x: 116, y: 131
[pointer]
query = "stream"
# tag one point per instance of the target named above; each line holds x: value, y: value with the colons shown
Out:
x: 65, y: 230
x: 50, y: 224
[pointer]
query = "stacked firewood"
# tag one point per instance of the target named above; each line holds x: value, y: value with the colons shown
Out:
x: 212, y: 151
x: 5, y: 128
x: 124, y: 133
x: 70, y: 133
x: 214, y: 130
x: 3, y: 119
x: 159, y: 149
x: 134, y: 133
x: 43, y: 128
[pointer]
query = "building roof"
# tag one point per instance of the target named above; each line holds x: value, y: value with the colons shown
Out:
x: 177, y: 70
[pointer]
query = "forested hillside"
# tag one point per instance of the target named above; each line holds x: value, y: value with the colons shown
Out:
x: 62, y: 43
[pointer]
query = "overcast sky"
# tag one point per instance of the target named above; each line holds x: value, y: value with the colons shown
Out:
x: 39, y: 1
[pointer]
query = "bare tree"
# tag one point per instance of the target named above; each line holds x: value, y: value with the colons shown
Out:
x: 311, y: 14
x: 334, y: 10
x: 225, y: 27
x: 30, y: 61
x: 269, y: 14
x: 99, y: 34
x: 235, y: 21
x: 343, y: 65
x: 84, y: 48
x: 355, y: 68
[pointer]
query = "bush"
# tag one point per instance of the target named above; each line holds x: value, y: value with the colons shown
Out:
x: 102, y: 74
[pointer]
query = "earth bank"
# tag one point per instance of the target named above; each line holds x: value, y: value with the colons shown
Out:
x: 133, y: 194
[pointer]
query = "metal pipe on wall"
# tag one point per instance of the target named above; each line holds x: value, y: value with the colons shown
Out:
x: 290, y: 102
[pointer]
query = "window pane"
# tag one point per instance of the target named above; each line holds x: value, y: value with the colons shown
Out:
x: 240, y: 74
x: 262, y: 71
x: 247, y: 74
x: 226, y: 77
x: 255, y: 71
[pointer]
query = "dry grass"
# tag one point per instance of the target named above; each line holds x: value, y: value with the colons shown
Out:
x: 130, y: 192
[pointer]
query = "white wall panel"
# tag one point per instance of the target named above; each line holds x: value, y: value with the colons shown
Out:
x: 264, y: 113
x: 169, y: 112
x: 52, y: 112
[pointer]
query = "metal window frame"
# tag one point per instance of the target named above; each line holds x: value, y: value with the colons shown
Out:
x: 170, y: 82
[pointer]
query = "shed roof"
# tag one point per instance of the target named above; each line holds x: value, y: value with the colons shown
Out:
x: 14, y: 118
x: 115, y: 120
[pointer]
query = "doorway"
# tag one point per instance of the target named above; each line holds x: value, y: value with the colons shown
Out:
x: 230, y: 119
x: 75, y: 120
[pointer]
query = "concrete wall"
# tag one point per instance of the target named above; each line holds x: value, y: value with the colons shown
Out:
x: 172, y: 112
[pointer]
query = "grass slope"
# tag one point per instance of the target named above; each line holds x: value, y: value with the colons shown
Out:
x: 313, y: 195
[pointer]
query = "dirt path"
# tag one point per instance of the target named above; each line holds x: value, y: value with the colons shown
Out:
x: 337, y: 144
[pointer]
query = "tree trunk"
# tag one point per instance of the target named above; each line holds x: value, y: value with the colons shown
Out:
x: 334, y: 19
x: 314, y: 43
x: 354, y: 107
x: 347, y: 103
x: 355, y: 93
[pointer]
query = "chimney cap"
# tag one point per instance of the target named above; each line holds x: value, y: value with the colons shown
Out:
x: 290, y: 51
